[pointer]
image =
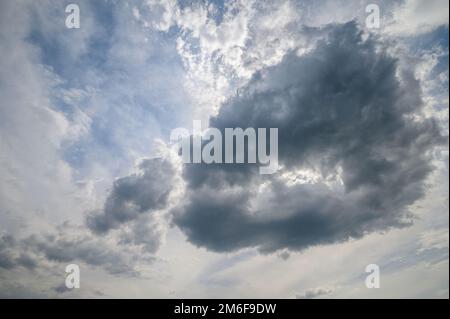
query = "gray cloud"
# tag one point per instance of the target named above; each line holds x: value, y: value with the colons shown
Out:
x: 143, y: 231
x: 7, y: 260
x: 345, y: 110
x: 66, y: 244
x: 126, y: 206
x: 139, y: 235
x: 12, y: 256
x: 66, y: 249
x: 134, y: 195
x: 315, y: 292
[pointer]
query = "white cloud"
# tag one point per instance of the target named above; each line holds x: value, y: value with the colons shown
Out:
x: 413, y: 17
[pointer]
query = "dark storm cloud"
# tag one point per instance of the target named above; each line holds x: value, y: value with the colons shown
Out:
x: 134, y: 195
x: 346, y: 105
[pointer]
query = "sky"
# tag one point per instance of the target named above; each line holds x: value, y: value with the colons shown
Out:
x: 89, y: 175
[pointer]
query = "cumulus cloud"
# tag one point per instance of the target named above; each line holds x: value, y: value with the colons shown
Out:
x: 136, y: 194
x: 345, y: 111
